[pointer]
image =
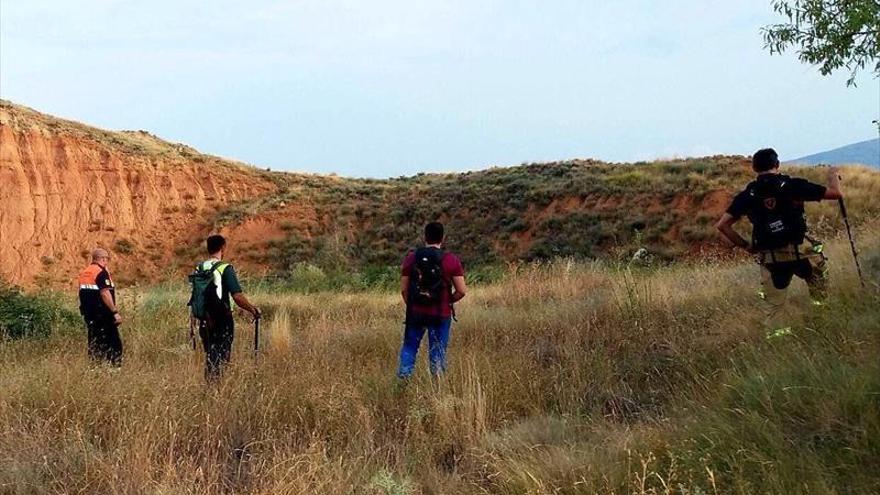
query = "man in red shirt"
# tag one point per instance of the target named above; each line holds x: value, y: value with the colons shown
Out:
x: 431, y: 281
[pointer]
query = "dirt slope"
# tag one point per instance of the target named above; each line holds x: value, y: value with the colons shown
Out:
x: 67, y: 188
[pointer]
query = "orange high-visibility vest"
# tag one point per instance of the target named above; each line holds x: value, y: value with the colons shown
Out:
x: 90, y: 303
x: 88, y: 277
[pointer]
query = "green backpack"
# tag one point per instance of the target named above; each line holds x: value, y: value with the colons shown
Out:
x: 203, y: 299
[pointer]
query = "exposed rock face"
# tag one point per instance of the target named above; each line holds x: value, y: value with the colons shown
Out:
x: 66, y: 188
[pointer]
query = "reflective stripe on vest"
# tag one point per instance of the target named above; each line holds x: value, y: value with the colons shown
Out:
x: 88, y: 278
x: 218, y: 274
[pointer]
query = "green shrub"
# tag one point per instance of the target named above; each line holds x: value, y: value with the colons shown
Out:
x: 308, y: 276
x: 380, y: 277
x: 31, y: 315
x: 627, y: 180
x: 514, y: 224
x: 486, y: 274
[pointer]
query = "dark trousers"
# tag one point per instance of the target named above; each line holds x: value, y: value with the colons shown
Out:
x: 103, y: 340
x: 216, y: 333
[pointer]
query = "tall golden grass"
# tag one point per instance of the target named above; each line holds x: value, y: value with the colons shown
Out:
x: 564, y: 378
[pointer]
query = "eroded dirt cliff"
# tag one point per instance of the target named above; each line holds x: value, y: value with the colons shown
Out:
x: 66, y: 188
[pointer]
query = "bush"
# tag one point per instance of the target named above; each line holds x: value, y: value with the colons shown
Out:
x: 31, y: 315
x: 380, y: 277
x: 308, y: 276
x: 627, y: 180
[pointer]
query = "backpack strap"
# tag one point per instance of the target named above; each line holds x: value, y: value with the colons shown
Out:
x: 221, y: 266
x: 214, y: 267
x: 449, y: 285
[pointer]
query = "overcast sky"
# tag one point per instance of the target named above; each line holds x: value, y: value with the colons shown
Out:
x: 386, y: 88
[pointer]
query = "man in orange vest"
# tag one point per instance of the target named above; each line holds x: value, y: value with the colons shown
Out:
x: 97, y: 304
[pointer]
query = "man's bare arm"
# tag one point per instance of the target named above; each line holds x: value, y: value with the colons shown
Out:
x: 832, y: 190
x: 242, y: 302
x: 460, y: 289
x: 404, y: 287
x: 107, y: 299
x: 725, y: 226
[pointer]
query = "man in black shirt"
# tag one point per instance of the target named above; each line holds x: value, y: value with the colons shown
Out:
x: 97, y: 304
x: 774, y: 204
x: 218, y: 328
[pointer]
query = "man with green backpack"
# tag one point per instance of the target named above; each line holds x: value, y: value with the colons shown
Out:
x: 214, y: 283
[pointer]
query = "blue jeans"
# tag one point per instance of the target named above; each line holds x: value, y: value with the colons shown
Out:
x: 438, y: 339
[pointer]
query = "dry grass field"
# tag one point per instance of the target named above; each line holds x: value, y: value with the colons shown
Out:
x: 564, y: 378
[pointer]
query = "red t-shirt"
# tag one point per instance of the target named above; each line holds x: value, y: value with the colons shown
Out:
x: 451, y: 266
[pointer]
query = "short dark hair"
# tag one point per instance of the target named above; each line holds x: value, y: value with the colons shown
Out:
x: 434, y: 233
x: 215, y: 243
x: 764, y: 160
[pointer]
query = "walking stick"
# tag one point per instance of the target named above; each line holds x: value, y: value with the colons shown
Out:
x: 192, y: 334
x: 256, y: 336
x: 852, y: 242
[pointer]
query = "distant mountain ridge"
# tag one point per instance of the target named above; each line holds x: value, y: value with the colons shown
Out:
x: 864, y: 152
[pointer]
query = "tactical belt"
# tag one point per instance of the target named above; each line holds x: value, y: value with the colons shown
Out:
x: 789, y: 253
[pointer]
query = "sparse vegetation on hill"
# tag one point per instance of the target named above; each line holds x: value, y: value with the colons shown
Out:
x: 583, y: 209
x: 22, y: 118
x: 159, y: 200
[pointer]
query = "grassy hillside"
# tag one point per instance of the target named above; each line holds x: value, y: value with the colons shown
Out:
x: 152, y: 202
x: 565, y: 378
x: 579, y: 208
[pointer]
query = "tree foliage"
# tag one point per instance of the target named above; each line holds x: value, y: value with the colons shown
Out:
x: 832, y: 34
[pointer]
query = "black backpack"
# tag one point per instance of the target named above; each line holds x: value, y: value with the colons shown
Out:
x: 426, y: 282
x: 777, y: 217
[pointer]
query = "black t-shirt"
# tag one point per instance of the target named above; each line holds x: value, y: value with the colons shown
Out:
x: 800, y: 189
x: 230, y: 284
x: 774, y: 203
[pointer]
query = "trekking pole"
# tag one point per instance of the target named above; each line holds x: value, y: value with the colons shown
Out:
x: 256, y: 336
x: 192, y: 334
x: 852, y: 242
